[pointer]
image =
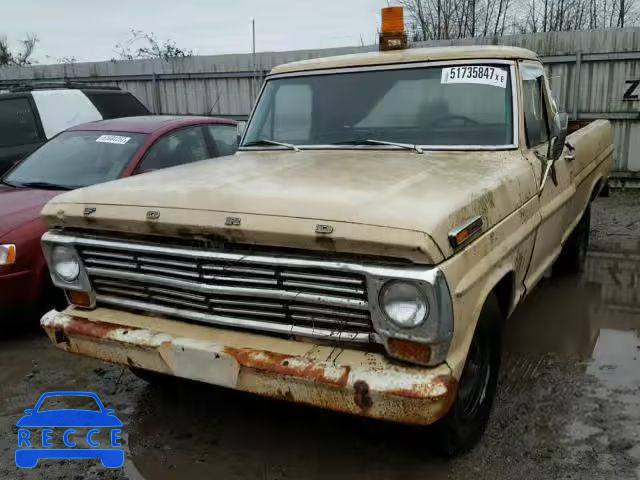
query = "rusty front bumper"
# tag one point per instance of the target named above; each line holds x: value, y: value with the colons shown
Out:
x: 339, y: 379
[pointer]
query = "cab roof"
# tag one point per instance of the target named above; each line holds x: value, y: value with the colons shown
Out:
x: 409, y: 55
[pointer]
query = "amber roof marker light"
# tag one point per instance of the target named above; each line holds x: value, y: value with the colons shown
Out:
x: 392, y: 35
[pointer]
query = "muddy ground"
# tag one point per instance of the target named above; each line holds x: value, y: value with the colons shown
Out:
x: 568, y: 404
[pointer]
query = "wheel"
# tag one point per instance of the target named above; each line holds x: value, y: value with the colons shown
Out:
x: 26, y: 459
x: 461, y: 428
x: 112, y: 459
x: 574, y: 251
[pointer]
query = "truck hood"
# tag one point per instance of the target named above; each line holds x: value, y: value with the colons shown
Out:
x: 376, y: 196
x: 19, y: 206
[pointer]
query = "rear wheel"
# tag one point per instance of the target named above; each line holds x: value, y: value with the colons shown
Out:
x: 461, y: 428
x: 574, y: 252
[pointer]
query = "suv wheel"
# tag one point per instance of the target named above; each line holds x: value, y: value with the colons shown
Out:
x: 574, y: 252
x: 461, y: 428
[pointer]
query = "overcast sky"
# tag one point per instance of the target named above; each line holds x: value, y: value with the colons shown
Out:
x: 88, y: 30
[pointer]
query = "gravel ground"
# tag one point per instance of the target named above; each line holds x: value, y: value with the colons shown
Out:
x: 568, y: 404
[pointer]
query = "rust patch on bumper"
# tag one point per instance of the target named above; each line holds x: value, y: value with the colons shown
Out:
x: 79, y: 326
x: 291, y: 366
x: 449, y: 383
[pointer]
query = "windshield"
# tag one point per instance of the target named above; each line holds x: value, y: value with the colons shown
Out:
x: 456, y: 105
x: 77, y: 159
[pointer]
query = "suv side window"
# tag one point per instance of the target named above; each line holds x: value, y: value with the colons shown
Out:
x: 116, y: 104
x: 177, y: 148
x: 535, y: 114
x: 18, y: 124
x: 225, y: 139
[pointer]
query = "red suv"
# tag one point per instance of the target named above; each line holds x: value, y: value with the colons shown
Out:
x: 80, y: 156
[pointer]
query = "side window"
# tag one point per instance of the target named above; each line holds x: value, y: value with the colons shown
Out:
x: 535, y: 115
x: 177, y: 148
x: 225, y: 139
x: 17, y: 123
x: 116, y: 104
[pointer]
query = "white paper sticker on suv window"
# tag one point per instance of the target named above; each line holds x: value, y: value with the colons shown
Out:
x: 117, y: 139
x: 481, y: 74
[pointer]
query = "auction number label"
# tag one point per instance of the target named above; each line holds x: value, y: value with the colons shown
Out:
x: 479, y: 74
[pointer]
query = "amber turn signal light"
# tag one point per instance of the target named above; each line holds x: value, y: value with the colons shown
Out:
x: 409, y: 351
x: 79, y: 299
x: 392, y: 20
x: 465, y: 233
x: 392, y: 36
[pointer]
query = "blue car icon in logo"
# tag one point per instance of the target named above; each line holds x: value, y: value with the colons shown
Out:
x: 32, y: 448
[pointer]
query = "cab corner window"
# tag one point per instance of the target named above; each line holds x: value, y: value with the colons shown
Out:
x: 535, y: 118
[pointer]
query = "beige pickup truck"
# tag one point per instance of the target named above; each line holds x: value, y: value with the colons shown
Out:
x: 361, y: 252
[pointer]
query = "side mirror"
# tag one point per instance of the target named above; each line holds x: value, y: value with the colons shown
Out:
x: 559, y: 137
x: 29, y: 411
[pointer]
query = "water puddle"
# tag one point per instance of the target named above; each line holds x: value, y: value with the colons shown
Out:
x: 594, y: 316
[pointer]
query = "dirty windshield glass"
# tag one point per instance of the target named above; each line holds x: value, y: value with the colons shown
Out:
x: 455, y: 105
x: 77, y: 159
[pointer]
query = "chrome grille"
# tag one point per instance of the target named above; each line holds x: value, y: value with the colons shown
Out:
x: 275, y: 294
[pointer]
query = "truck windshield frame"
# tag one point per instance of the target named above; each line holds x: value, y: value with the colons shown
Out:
x: 512, y: 85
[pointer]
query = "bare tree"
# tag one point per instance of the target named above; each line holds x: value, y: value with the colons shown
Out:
x: 23, y: 55
x: 146, y: 45
x: 447, y: 19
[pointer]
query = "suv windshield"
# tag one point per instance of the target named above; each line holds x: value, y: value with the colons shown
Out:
x: 457, y: 105
x: 77, y: 159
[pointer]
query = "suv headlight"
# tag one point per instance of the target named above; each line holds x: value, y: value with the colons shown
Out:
x: 65, y: 263
x: 404, y: 304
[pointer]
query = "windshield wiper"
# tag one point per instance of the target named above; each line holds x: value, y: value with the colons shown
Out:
x: 408, y: 146
x: 266, y: 141
x: 44, y: 185
x: 3, y: 181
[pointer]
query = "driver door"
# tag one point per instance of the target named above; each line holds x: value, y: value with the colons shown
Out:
x: 540, y: 113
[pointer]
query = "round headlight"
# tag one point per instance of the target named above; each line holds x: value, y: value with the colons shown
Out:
x: 65, y: 263
x: 404, y: 304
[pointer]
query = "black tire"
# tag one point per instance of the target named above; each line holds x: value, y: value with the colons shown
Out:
x: 574, y: 252
x: 462, y: 427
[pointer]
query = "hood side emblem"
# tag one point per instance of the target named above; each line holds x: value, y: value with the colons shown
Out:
x: 89, y: 211
x: 324, y: 229
x: 233, y: 221
x: 153, y: 214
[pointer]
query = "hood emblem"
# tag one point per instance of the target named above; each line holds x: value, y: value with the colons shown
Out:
x: 233, y: 221
x: 324, y: 229
x: 153, y: 214
x: 89, y: 211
